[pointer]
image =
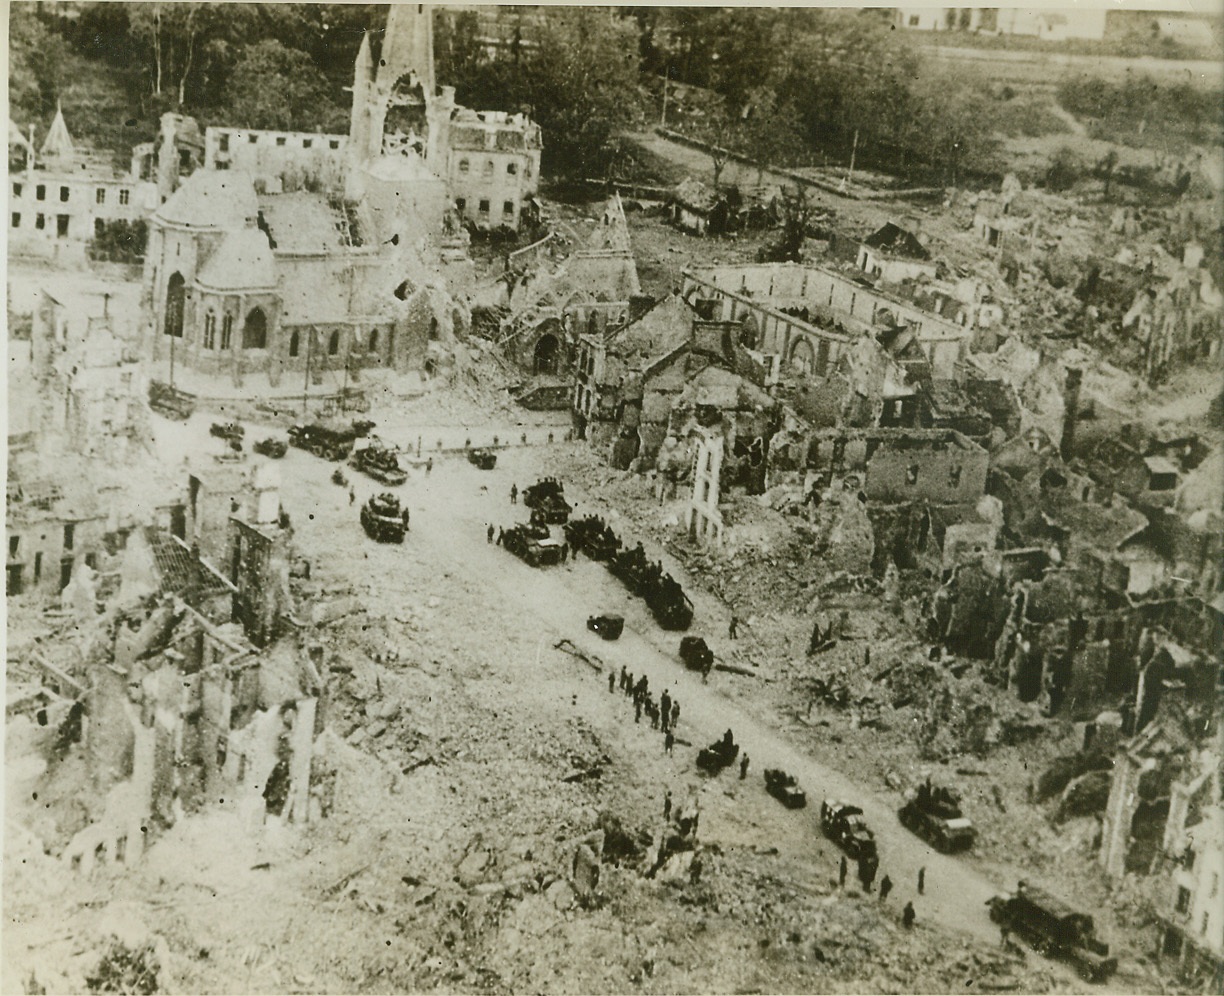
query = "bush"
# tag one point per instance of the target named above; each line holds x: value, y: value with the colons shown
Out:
x: 1065, y: 170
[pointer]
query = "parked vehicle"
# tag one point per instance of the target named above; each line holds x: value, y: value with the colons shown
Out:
x: 607, y: 626
x: 362, y: 427
x: 1054, y: 929
x: 170, y: 402
x: 230, y: 431
x: 547, y: 496
x: 592, y: 537
x: 934, y: 814
x: 720, y: 754
x: 695, y: 653
x: 843, y: 824
x: 784, y: 788
x: 482, y: 458
x: 383, y: 519
x: 272, y: 447
x: 379, y: 462
x: 331, y: 442
x: 669, y: 604
x: 532, y: 544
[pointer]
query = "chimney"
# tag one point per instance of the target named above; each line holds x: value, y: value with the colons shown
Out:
x: 1071, y: 394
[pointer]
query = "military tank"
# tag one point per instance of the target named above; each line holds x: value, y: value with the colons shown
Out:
x: 383, y: 519
x: 379, y: 462
x: 533, y: 544
x: 547, y: 496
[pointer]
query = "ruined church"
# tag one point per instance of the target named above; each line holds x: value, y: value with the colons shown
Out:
x: 299, y: 254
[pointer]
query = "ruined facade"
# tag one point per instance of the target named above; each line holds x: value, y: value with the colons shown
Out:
x: 838, y: 311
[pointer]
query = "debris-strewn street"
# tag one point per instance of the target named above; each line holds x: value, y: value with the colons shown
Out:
x: 599, y: 500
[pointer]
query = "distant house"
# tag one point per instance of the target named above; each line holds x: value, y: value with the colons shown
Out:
x: 700, y: 209
x: 892, y: 254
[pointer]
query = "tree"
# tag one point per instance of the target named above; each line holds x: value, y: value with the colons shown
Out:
x: 770, y: 134
x: 721, y: 132
x: 579, y: 81
x: 36, y: 59
x: 280, y: 88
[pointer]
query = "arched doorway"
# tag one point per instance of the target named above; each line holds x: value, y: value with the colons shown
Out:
x: 255, y: 330
x: 749, y: 333
x: 547, y: 354
x: 802, y: 359
x: 176, y: 293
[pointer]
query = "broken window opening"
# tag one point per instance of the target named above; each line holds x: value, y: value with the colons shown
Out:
x: 333, y: 343
x: 954, y: 477
x: 374, y: 339
x: 69, y: 534
x: 295, y: 343
x: 911, y: 474
x: 176, y: 292
x: 255, y: 330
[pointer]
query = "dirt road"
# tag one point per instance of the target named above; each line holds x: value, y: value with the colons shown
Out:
x: 450, y: 513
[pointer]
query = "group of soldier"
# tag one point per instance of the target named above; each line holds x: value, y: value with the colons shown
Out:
x: 868, y: 865
x: 662, y: 714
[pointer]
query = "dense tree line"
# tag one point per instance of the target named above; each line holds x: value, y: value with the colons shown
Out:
x: 790, y: 85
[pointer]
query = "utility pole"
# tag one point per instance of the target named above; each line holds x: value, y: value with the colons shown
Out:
x: 853, y: 153
x: 344, y: 389
x: 663, y: 120
x: 309, y: 349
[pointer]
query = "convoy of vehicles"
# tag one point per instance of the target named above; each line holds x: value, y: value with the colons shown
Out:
x: 934, y: 814
x: 663, y: 594
x: 592, y: 537
x: 1054, y: 929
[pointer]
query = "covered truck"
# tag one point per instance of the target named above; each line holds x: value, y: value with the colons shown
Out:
x: 1054, y: 928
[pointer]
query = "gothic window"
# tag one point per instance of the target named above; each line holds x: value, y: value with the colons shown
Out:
x: 124, y: 196
x: 255, y: 330
x: 100, y: 195
x: 373, y: 339
x: 176, y: 293
x: 227, y: 331
x: 484, y: 207
x: 488, y: 167
x: 210, y: 330
x: 333, y: 343
x: 295, y: 344
x: 224, y: 142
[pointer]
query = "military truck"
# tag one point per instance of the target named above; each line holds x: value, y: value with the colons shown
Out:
x: 384, y: 519
x: 482, y: 459
x: 607, y: 626
x: 784, y: 788
x: 720, y: 754
x: 379, y: 462
x: 695, y: 653
x: 547, y: 496
x: 934, y: 814
x: 668, y: 603
x: 170, y: 401
x: 592, y: 537
x: 843, y: 824
x: 229, y: 431
x: 1054, y: 929
x: 331, y: 441
x: 272, y: 447
x: 532, y: 544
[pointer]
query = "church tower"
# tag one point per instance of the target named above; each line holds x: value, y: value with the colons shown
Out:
x: 359, y: 117
x: 408, y: 47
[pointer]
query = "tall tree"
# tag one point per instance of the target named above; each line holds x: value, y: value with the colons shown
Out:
x: 280, y: 88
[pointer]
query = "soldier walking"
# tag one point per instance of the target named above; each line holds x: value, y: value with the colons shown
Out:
x: 428, y: 463
x: 733, y: 627
x: 922, y: 880
x: 667, y: 805
x: 489, y: 533
x: 623, y: 676
x: 513, y: 494
x: 675, y: 715
x: 665, y: 704
x: 885, y: 887
x: 352, y: 496
x: 907, y: 916
x: 629, y: 687
x: 611, y: 681
x: 501, y: 535
x: 668, y: 742
x: 841, y: 872
x: 743, y: 767
x: 637, y: 709
x: 564, y: 552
